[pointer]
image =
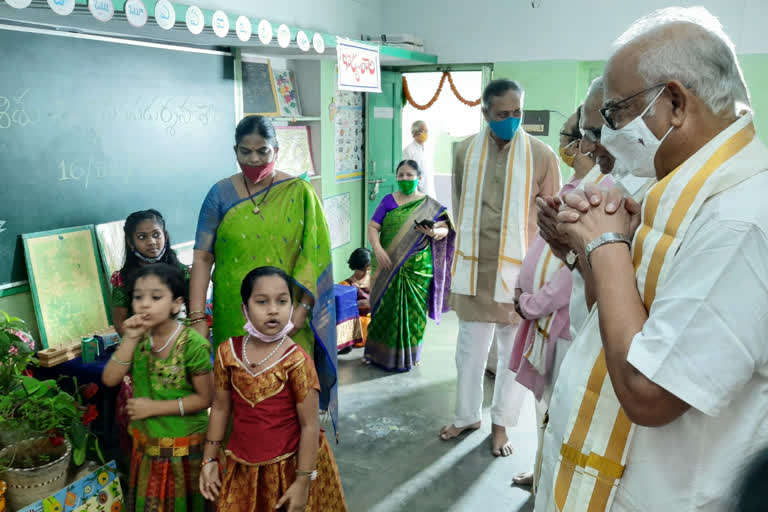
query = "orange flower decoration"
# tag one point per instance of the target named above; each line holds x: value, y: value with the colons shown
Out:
x: 446, y: 75
x: 116, y: 506
x: 71, y: 499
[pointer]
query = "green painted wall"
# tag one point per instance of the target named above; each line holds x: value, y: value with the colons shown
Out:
x: 549, y: 85
x: 330, y: 188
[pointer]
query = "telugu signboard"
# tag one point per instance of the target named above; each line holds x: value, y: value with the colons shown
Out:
x: 359, y: 66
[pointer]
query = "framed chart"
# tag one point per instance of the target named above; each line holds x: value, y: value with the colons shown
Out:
x: 295, y: 155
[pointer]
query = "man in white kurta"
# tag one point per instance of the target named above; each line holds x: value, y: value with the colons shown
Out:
x: 686, y: 354
x: 416, y: 151
x: 482, y: 318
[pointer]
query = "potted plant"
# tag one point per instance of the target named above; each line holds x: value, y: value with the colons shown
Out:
x: 53, y: 423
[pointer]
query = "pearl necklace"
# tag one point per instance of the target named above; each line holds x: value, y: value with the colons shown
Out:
x: 167, y: 342
x: 245, y: 353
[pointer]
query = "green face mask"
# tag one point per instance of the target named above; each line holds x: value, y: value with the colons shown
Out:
x: 408, y: 187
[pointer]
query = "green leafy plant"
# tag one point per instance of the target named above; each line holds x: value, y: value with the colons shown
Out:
x: 33, y: 406
x: 16, y: 350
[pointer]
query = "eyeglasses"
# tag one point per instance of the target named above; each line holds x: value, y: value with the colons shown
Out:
x: 608, y: 112
x: 574, y: 136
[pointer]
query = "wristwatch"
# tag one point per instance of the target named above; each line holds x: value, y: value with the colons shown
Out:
x: 604, y: 239
x: 571, y: 260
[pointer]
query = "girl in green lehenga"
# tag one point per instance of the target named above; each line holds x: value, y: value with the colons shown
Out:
x: 412, y: 238
x: 265, y: 217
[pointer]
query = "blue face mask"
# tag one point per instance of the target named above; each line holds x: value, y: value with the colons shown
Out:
x: 505, y: 129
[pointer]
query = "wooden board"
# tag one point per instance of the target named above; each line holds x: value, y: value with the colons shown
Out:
x: 68, y: 287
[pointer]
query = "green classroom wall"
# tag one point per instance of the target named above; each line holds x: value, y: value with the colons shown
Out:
x: 331, y: 188
x: 550, y: 85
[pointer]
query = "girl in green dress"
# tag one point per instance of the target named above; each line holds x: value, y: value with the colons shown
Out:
x: 172, y: 379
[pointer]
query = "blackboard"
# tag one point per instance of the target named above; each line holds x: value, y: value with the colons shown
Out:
x: 259, y: 95
x: 91, y: 130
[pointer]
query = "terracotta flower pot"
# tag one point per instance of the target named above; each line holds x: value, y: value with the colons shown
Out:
x: 26, y: 486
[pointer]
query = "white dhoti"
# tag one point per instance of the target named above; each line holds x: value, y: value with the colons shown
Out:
x: 472, y: 349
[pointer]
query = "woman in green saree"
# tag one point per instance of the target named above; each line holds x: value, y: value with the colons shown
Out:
x: 265, y: 217
x: 413, y: 242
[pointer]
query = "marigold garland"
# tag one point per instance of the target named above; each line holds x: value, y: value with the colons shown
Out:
x: 446, y: 75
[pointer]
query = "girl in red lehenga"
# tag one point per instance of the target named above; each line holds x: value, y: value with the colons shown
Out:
x: 277, y: 456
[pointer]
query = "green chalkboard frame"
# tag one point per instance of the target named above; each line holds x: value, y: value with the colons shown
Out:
x: 33, y: 285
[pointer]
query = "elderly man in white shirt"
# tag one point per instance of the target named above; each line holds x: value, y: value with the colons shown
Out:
x: 416, y: 151
x: 663, y: 396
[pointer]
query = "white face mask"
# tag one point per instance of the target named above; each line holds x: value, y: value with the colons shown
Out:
x: 634, y: 145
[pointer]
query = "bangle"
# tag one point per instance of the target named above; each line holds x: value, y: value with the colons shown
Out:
x: 209, y: 460
x: 121, y: 363
x: 195, y: 321
x: 181, y: 407
x: 311, y: 474
x: 212, y: 443
x: 306, y: 306
x: 194, y: 312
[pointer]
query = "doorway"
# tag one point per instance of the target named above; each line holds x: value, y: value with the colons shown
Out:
x: 448, y: 120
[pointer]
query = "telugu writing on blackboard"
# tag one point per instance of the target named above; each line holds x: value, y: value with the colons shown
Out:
x: 172, y: 113
x: 13, y: 112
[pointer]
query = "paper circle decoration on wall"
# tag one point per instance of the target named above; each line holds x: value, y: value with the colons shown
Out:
x: 318, y: 42
x: 194, y: 19
x: 63, y: 7
x: 136, y: 13
x: 265, y: 32
x: 243, y: 28
x: 165, y: 14
x: 102, y: 10
x: 18, y: 4
x: 283, y: 36
x: 220, y: 23
x: 303, y: 41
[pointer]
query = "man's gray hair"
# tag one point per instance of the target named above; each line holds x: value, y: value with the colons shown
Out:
x: 701, y: 56
x: 595, y: 87
x: 417, y: 126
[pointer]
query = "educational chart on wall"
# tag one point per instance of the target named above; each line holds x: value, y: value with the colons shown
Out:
x: 97, y: 491
x: 68, y: 287
x: 88, y: 141
x: 338, y: 212
x: 259, y: 95
x: 347, y: 113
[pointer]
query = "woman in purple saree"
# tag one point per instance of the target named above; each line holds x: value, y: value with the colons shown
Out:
x: 413, y: 239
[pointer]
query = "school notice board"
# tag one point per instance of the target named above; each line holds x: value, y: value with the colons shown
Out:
x: 67, y: 284
x: 92, y: 130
